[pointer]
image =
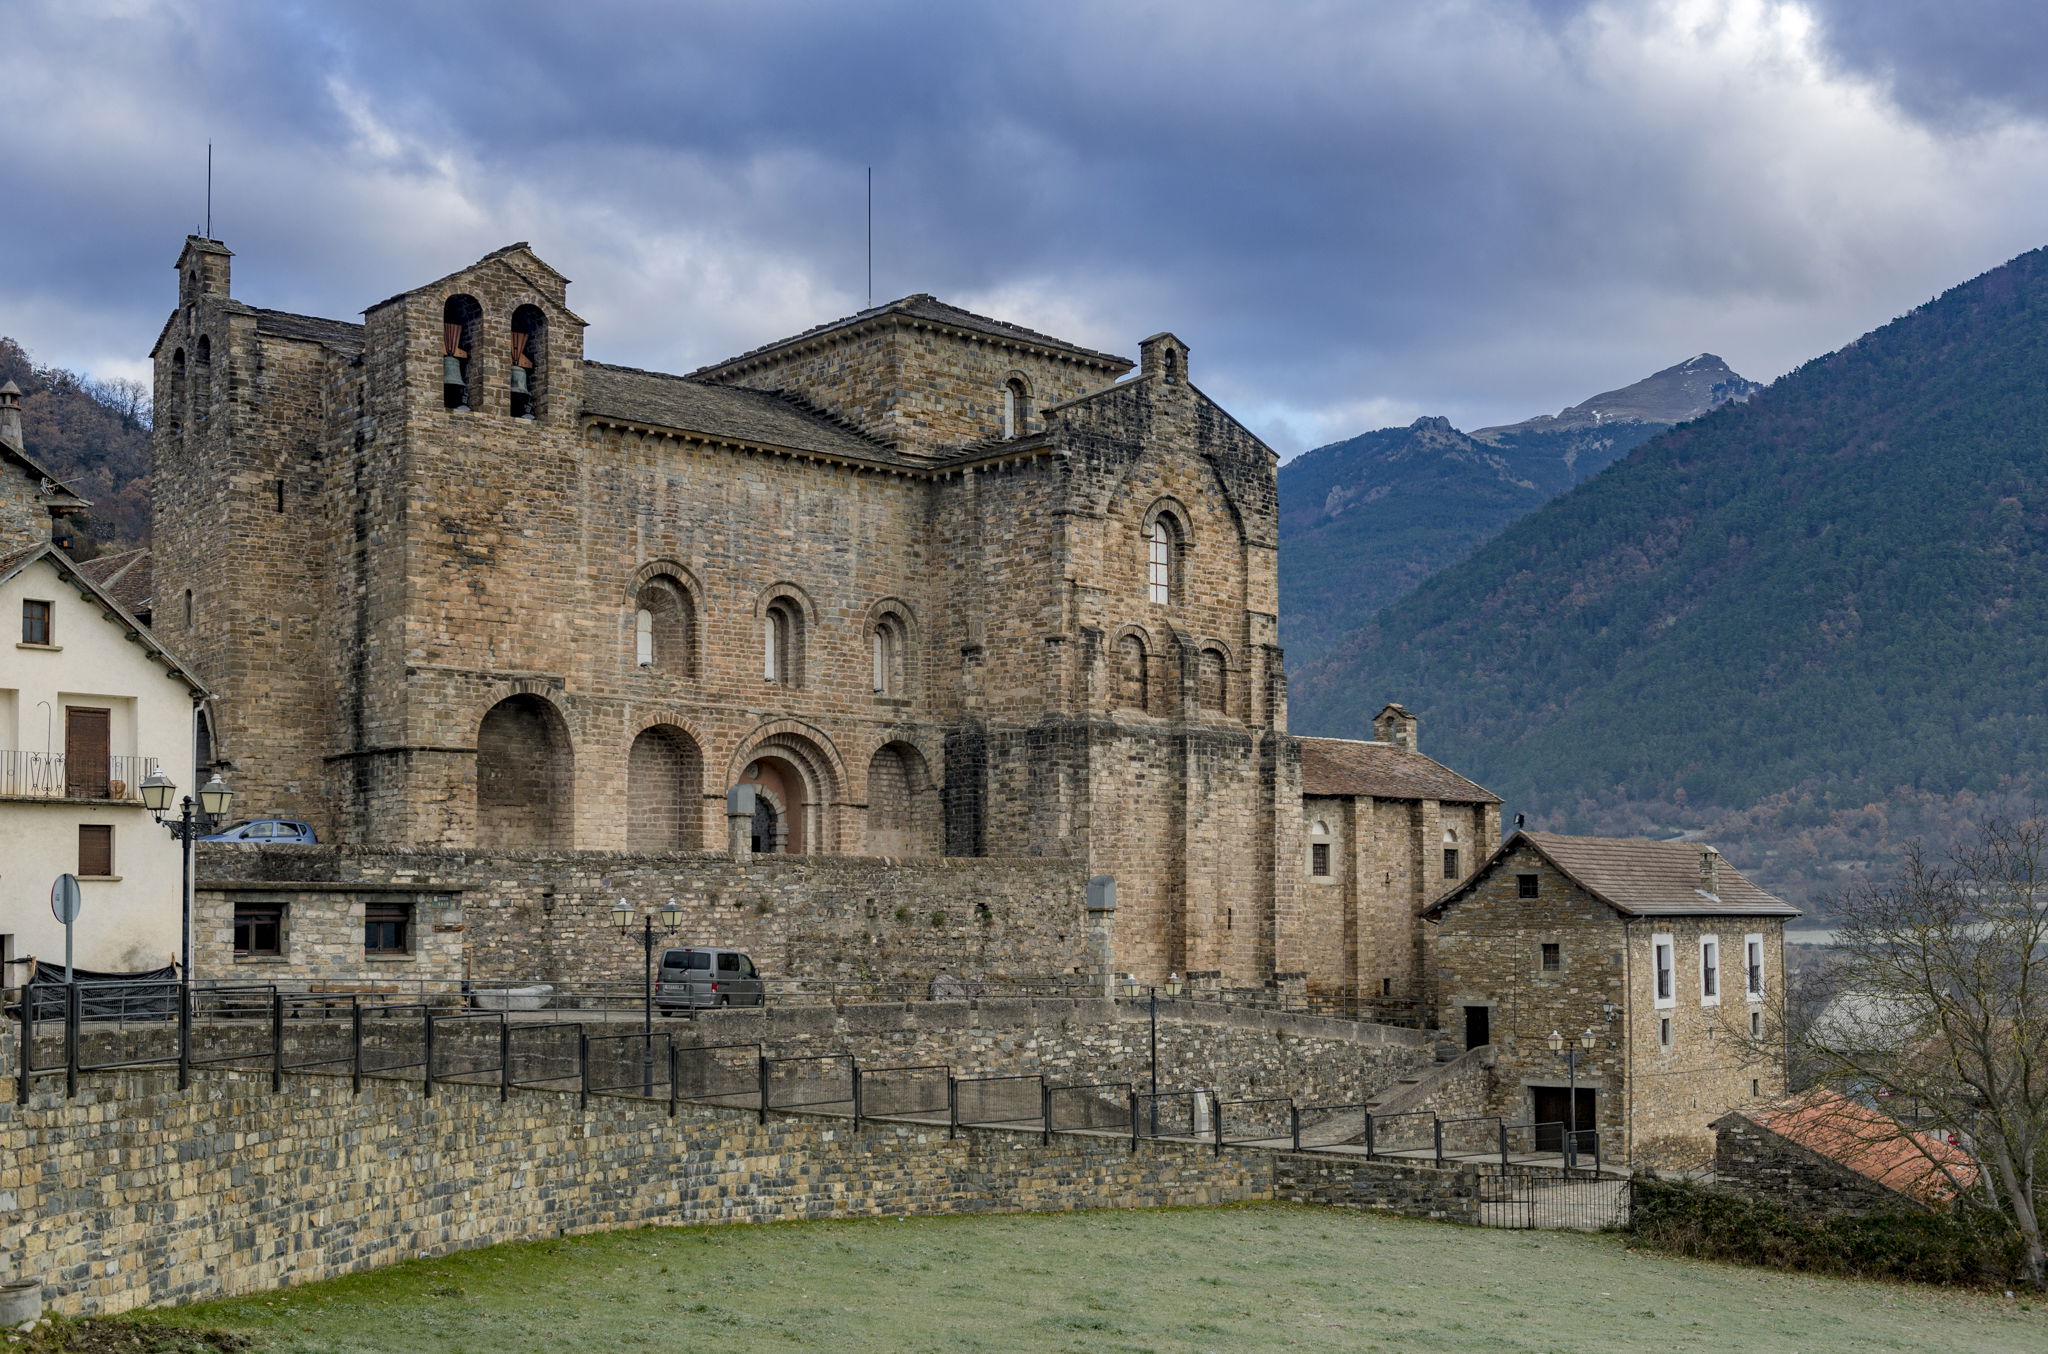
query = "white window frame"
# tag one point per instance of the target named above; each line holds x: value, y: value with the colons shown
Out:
x: 1159, y: 562
x: 1753, y: 944
x: 1664, y: 948
x: 1711, y: 944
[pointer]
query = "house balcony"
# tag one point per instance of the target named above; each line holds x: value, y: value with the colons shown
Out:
x: 54, y: 775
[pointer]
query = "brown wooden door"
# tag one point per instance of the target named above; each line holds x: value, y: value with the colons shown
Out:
x: 86, y: 767
x: 1552, y: 1106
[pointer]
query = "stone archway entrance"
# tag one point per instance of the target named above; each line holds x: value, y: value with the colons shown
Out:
x: 524, y: 775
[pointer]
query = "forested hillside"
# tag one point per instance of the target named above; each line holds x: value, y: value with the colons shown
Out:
x: 1814, y: 613
x: 94, y: 436
x: 1364, y: 520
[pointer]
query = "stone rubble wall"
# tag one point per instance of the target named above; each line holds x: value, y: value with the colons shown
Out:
x: 546, y: 915
x: 1751, y: 1158
x: 135, y: 1193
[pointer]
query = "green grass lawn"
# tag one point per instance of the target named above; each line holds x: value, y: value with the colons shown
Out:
x: 1228, y: 1280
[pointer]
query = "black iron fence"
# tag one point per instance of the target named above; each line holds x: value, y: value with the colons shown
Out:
x: 270, y: 1030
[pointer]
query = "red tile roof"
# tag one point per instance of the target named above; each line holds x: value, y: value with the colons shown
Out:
x: 1922, y: 1166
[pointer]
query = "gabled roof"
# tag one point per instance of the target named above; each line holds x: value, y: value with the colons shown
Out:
x: 1635, y: 876
x: 57, y: 495
x: 928, y: 308
x: 137, y: 632
x: 500, y: 255
x: 759, y: 417
x: 1871, y: 1143
x: 312, y: 328
x: 125, y: 577
x: 1347, y: 766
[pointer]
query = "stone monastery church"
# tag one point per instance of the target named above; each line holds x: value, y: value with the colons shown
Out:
x: 933, y: 583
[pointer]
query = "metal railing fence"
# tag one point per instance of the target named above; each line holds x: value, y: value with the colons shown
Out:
x: 265, y: 1028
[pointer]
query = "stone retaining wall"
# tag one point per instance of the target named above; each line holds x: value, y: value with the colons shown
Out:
x: 136, y: 1193
x: 546, y: 915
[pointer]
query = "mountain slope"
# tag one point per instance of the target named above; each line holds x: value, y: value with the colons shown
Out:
x: 1364, y: 520
x: 1832, y: 594
x: 95, y: 437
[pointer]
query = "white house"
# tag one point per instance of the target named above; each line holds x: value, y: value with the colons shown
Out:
x: 90, y: 704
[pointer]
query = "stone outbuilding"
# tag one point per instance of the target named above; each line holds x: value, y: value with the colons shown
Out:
x: 1660, y: 951
x: 1822, y: 1153
x: 1384, y: 830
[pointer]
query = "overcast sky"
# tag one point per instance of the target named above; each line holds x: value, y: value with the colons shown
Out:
x: 1356, y: 211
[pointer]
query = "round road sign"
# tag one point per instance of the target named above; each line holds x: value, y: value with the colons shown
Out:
x: 64, y: 899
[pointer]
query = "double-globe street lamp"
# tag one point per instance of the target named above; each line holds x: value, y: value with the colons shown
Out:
x: 623, y: 917
x: 157, y: 790
x: 1585, y: 1042
x: 1131, y: 986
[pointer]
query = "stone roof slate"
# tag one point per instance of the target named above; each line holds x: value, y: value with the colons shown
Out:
x: 1347, y: 766
x: 312, y: 328
x: 924, y: 306
x: 757, y: 416
x: 1637, y: 877
x: 125, y: 577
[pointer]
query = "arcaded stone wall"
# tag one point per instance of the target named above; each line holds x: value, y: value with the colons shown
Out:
x: 547, y: 915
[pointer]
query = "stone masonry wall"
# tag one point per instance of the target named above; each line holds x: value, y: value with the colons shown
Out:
x: 135, y: 1193
x: 546, y: 915
x: 1749, y: 1157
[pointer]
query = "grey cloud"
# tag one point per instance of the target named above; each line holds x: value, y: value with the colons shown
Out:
x: 1355, y: 211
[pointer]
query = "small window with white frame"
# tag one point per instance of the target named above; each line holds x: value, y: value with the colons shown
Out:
x: 1710, y: 970
x: 1319, y: 850
x: 1663, y: 965
x: 1753, y: 967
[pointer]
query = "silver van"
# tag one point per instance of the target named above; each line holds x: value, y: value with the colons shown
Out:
x: 706, y: 975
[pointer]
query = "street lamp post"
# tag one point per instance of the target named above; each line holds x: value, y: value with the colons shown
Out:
x: 1172, y: 990
x: 157, y: 790
x: 1571, y: 1063
x: 622, y: 918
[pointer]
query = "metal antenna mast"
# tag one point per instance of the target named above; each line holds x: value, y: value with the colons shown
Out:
x: 871, y: 237
x: 209, y: 190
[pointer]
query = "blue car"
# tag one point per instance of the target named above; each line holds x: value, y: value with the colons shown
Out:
x: 266, y: 831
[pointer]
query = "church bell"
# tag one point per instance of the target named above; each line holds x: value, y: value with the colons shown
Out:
x: 451, y: 371
x: 519, y: 386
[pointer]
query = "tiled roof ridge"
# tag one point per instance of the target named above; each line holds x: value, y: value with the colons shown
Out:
x: 796, y: 402
x: 1427, y: 778
x: 909, y: 305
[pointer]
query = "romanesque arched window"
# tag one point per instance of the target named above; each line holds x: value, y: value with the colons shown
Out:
x: 1134, y: 684
x: 527, y: 374
x: 460, y: 317
x: 1162, y: 543
x: 1016, y: 407
x: 1212, y: 682
x: 1319, y: 850
x: 664, y: 628
x: 887, y: 642
x: 782, y: 643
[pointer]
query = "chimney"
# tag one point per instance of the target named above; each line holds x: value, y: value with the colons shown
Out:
x: 1395, y: 725
x: 10, y: 416
x: 1710, y: 872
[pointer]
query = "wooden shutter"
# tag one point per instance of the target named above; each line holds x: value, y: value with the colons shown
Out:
x: 95, y: 849
x: 85, y: 753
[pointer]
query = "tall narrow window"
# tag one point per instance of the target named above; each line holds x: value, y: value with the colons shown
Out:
x: 1753, y: 966
x: 459, y: 320
x: 887, y: 646
x: 1661, y: 950
x: 643, y: 637
x: 1159, y: 562
x: 1710, y: 971
x: 1016, y: 407
x: 782, y: 644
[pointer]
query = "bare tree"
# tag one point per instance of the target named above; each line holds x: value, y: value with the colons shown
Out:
x: 1940, y: 1008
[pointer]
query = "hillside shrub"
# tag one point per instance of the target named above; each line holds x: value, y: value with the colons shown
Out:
x: 1953, y: 1248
